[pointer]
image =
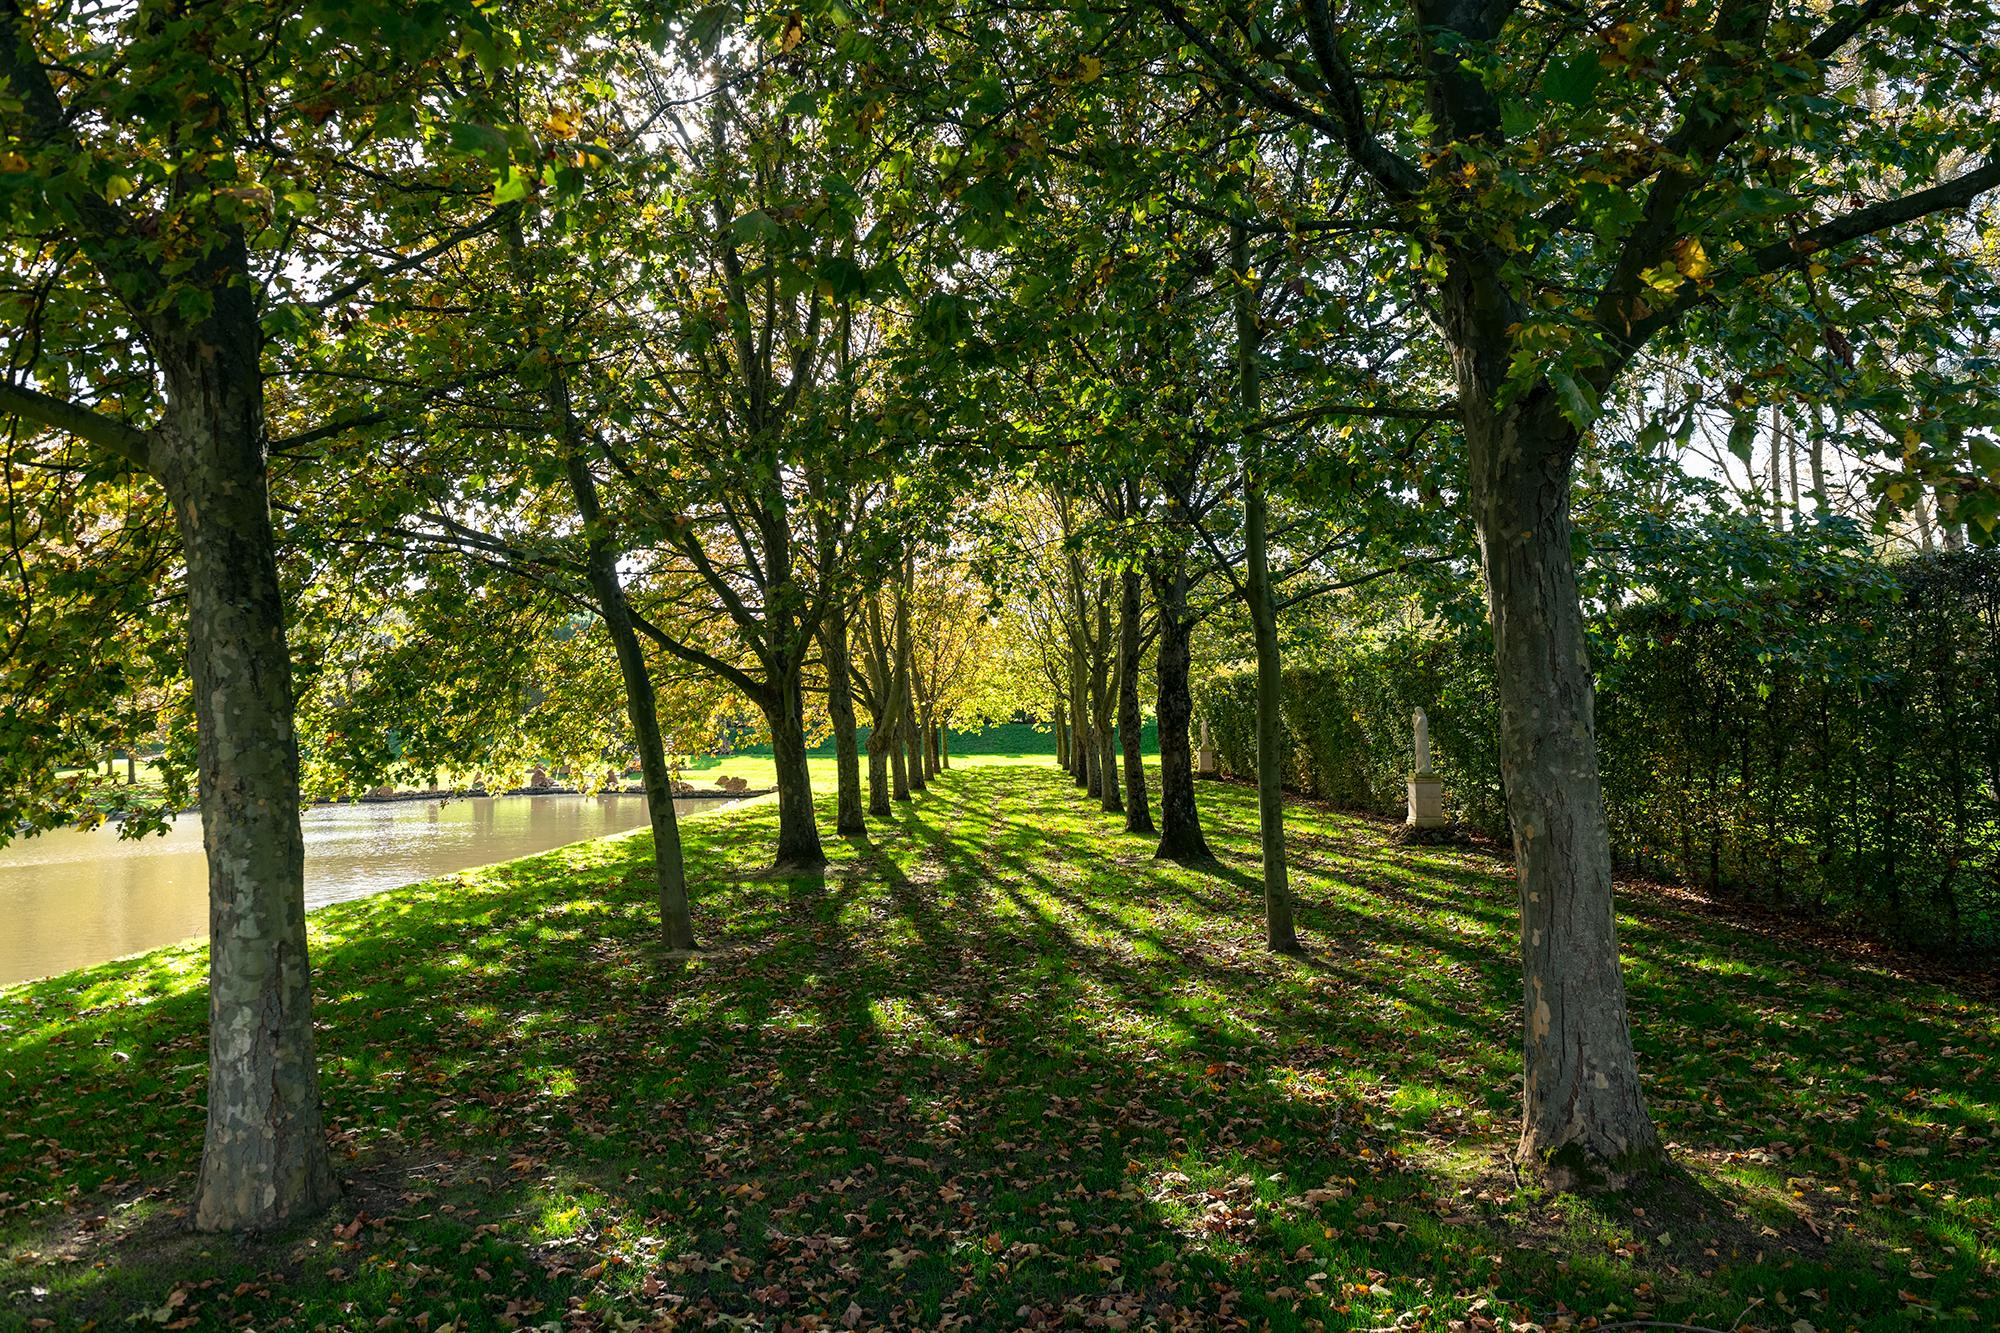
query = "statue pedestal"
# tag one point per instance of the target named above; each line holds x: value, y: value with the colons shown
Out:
x: 1426, y: 802
x: 1204, y: 763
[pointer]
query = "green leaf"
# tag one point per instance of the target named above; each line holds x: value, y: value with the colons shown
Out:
x: 1573, y: 79
x: 1743, y: 435
x: 1578, y: 404
x: 843, y: 277
x: 469, y: 137
x: 513, y: 189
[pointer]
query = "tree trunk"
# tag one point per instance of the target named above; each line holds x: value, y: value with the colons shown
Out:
x: 1279, y: 931
x: 264, y: 1159
x: 1584, y: 1117
x: 1131, y: 725
x: 931, y: 761
x: 944, y: 744
x: 907, y: 731
x: 898, y: 758
x: 1108, y: 793
x: 1080, y: 747
x: 641, y: 702
x: 1104, y: 704
x: 1816, y: 459
x: 798, y: 835
x: 913, y: 737
x: 1062, y: 737
x: 1180, y: 818
x: 1792, y: 466
x: 879, y: 747
x: 848, y: 821
x: 1775, y: 475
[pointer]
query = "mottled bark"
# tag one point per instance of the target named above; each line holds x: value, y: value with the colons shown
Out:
x: 264, y: 1159
x: 641, y: 702
x: 798, y: 835
x: 1180, y: 818
x: 1062, y: 736
x: 1131, y: 723
x: 1584, y: 1118
x: 848, y: 821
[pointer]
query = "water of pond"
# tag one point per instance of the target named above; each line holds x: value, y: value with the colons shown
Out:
x: 69, y: 898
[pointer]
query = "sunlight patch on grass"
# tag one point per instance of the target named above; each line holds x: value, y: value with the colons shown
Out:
x: 1003, y: 1063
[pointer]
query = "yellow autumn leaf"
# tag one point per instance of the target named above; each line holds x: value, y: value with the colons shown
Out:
x: 1089, y: 69
x: 1665, y: 278
x: 1691, y: 258
x: 13, y: 162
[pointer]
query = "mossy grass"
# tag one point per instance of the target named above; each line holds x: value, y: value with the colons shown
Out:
x: 998, y: 1066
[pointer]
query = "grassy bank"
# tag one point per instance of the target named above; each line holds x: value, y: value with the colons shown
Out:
x: 758, y: 770
x: 998, y: 1067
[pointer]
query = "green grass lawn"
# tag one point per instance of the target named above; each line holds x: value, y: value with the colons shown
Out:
x: 998, y: 1069
x: 759, y: 772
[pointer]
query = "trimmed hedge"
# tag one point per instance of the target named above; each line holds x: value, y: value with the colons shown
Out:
x: 1346, y: 726
x: 1843, y: 757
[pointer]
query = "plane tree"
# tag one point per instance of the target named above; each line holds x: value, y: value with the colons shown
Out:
x: 186, y: 190
x: 1576, y: 184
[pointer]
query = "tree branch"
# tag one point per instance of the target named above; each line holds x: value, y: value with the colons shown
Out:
x: 491, y: 221
x: 1395, y: 174
x: 735, y: 675
x: 108, y: 433
x: 1957, y: 192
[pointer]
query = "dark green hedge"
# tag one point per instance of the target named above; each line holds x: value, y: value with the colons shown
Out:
x: 1843, y: 757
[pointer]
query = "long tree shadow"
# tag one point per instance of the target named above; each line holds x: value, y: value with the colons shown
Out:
x: 979, y: 1070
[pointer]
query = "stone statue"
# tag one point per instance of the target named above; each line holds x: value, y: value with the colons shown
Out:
x: 1426, y: 792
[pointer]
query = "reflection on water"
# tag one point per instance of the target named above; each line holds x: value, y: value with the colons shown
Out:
x: 69, y: 898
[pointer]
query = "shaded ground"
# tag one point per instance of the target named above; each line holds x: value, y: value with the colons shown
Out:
x: 999, y: 1069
